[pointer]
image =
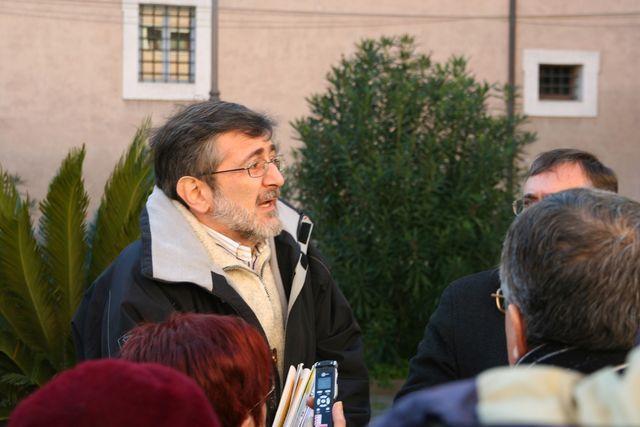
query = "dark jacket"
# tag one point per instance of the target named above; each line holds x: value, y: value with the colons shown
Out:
x: 167, y: 270
x: 464, y: 336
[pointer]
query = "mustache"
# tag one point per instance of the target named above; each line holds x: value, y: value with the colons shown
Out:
x: 268, y: 195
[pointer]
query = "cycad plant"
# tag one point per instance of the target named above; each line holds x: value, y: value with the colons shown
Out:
x: 44, y: 271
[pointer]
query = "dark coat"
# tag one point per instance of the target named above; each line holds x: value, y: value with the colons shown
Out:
x: 320, y: 323
x: 464, y: 336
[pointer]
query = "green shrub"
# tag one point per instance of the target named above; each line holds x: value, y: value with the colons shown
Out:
x: 44, y: 273
x: 406, y: 175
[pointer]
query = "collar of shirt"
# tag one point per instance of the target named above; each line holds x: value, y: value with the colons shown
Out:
x: 243, y: 253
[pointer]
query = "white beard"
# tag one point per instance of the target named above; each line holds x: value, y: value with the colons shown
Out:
x: 244, y: 222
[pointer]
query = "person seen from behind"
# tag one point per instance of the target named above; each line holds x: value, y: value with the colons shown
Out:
x: 225, y: 355
x: 465, y: 334
x: 116, y: 393
x: 571, y: 280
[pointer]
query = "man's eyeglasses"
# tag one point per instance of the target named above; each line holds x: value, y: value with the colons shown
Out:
x: 500, y: 302
x: 255, y: 170
x: 519, y: 205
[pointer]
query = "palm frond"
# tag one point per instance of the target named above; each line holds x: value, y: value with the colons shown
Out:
x: 14, y: 386
x: 5, y: 410
x: 17, y: 380
x: 9, y: 197
x: 7, y: 366
x: 21, y: 359
x: 117, y: 220
x: 26, y: 303
x: 63, y: 228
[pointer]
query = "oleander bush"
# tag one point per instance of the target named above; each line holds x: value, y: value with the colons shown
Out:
x: 409, y: 179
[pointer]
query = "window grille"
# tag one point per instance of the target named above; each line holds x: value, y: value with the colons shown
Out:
x: 559, y: 82
x: 167, y: 42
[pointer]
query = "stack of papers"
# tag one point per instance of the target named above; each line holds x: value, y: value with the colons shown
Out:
x: 293, y: 410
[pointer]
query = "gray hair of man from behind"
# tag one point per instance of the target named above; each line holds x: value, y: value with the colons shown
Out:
x: 571, y: 263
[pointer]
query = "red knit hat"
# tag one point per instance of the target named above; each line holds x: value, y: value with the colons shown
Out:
x: 111, y: 392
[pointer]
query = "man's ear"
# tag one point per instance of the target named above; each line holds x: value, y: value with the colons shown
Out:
x: 515, y: 330
x: 195, y: 193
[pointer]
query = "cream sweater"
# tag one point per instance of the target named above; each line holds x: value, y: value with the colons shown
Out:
x: 258, y: 288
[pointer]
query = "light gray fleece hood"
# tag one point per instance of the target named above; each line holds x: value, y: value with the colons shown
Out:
x: 173, y: 252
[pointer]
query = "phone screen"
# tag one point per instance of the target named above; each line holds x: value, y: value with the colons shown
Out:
x: 324, y: 383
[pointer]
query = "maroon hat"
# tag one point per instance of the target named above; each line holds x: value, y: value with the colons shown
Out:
x: 111, y: 392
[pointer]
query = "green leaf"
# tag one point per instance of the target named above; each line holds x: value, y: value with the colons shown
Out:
x: 117, y: 221
x: 17, y: 380
x: 27, y: 302
x: 14, y: 385
x: 22, y: 359
x: 9, y: 197
x: 63, y: 229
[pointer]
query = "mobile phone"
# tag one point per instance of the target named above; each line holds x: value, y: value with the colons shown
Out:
x: 325, y: 392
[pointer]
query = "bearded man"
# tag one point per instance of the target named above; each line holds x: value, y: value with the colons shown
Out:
x: 216, y: 239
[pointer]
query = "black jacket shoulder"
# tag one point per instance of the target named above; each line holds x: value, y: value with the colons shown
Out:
x: 464, y: 336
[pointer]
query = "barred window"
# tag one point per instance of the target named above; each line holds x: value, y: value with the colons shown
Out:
x: 559, y: 82
x: 167, y: 35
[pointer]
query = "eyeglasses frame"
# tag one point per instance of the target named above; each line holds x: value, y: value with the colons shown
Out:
x: 497, y: 295
x: 264, y: 399
x: 276, y: 161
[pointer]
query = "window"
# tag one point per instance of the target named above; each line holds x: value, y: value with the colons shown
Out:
x: 166, y: 49
x: 166, y: 43
x: 561, y: 83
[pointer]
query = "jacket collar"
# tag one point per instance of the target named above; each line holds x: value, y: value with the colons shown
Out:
x: 171, y: 251
x: 572, y: 357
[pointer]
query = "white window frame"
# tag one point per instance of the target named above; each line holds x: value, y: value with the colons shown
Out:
x: 132, y: 88
x: 587, y: 103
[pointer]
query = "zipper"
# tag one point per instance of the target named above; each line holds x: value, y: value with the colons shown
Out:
x: 274, y: 352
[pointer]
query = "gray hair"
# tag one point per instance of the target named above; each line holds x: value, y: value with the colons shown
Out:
x: 185, y: 144
x: 571, y: 263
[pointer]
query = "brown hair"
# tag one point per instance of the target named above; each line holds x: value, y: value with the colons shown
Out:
x: 600, y: 175
x: 185, y: 144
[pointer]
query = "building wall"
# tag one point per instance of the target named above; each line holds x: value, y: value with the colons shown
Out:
x: 613, y: 135
x: 61, y: 71
x: 279, y: 60
x: 60, y: 87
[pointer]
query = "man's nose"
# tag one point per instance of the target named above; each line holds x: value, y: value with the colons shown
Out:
x: 273, y: 176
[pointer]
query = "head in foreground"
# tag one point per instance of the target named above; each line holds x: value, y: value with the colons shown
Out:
x: 570, y: 273
x: 116, y: 393
x: 226, y: 356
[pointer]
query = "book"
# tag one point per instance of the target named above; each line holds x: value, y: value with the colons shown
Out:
x: 293, y: 410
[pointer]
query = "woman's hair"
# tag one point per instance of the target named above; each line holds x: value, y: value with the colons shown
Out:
x: 226, y: 356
